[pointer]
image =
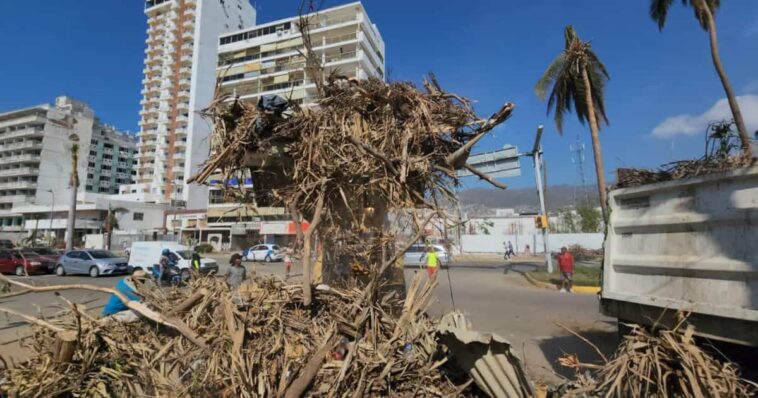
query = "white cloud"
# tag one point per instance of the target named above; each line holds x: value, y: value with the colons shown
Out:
x: 695, y: 124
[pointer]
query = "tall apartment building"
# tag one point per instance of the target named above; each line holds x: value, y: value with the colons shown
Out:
x: 179, y: 80
x: 111, y: 159
x: 35, y: 156
x: 267, y: 60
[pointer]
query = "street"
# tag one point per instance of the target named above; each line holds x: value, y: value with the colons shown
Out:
x: 495, y: 302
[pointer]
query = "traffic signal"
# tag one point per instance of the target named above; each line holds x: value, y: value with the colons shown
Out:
x: 540, y: 222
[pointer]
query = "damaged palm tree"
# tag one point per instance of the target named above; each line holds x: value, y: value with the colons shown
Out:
x: 367, y: 149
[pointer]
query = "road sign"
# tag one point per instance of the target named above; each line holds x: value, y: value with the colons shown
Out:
x: 502, y: 163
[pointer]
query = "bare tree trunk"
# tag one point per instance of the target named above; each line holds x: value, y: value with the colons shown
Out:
x: 70, y: 227
x: 733, y: 105
x: 595, y: 129
x: 308, y: 241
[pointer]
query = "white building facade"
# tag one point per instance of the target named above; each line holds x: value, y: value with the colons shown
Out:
x: 267, y: 59
x: 35, y: 157
x: 179, y: 80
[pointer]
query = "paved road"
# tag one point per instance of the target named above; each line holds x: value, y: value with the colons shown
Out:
x: 496, y: 302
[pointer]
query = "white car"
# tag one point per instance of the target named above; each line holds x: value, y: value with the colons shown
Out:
x: 265, y: 252
x: 416, y: 255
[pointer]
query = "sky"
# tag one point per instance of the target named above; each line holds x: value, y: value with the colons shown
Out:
x: 662, y: 93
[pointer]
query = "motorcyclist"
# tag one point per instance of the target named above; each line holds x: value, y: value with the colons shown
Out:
x: 164, y: 265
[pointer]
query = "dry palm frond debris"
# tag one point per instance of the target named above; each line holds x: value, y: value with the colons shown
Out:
x: 668, y: 363
x: 369, y: 148
x: 721, y: 155
x: 271, y: 346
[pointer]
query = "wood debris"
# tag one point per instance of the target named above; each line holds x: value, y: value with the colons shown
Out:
x: 343, y: 345
x: 668, y: 363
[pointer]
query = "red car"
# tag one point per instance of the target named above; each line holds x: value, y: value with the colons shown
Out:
x: 23, y: 262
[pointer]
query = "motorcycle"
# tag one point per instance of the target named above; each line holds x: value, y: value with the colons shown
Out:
x: 172, y: 277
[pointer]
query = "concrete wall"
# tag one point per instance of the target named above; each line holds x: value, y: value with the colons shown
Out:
x: 494, y: 243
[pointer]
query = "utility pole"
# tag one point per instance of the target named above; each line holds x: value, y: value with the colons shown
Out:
x: 537, y: 154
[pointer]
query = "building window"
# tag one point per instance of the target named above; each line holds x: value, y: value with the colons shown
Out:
x: 138, y: 216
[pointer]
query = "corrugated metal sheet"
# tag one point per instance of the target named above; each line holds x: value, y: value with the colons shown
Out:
x: 487, y: 357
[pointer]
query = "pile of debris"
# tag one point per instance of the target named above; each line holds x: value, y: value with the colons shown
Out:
x: 722, y: 154
x: 667, y: 363
x: 581, y: 253
x: 257, y: 342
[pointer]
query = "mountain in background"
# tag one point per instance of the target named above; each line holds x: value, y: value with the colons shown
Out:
x: 479, y: 200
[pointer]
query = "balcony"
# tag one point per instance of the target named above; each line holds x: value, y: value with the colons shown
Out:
x: 18, y: 185
x: 21, y: 171
x: 27, y: 132
x: 16, y: 199
x: 22, y: 145
x: 19, y: 159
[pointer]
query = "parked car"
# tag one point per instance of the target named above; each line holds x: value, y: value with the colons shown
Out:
x: 92, y: 262
x: 416, y: 255
x: 23, y: 262
x: 47, y: 252
x: 264, y: 252
x: 143, y: 255
x: 6, y: 244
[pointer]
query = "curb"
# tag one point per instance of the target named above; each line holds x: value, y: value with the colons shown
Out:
x: 550, y: 286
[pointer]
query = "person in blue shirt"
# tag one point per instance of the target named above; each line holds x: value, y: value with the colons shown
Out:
x: 116, y: 308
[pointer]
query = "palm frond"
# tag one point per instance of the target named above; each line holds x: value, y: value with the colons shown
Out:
x: 548, y: 78
x: 659, y: 10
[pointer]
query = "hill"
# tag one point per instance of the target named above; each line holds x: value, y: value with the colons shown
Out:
x: 524, y: 199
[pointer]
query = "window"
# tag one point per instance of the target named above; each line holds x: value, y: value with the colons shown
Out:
x: 4, y: 255
x: 138, y: 216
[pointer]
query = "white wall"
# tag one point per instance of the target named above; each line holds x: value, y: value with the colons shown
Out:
x: 494, y: 243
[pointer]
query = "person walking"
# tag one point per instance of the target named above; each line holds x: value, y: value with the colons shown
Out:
x: 237, y: 273
x: 566, y: 265
x: 511, y: 253
x: 287, y: 263
x: 432, y: 262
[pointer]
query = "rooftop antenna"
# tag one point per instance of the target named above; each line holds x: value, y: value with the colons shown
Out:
x: 577, y: 158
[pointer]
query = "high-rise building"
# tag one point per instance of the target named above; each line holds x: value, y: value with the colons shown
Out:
x: 35, y: 157
x: 110, y: 161
x: 178, y: 82
x: 267, y: 58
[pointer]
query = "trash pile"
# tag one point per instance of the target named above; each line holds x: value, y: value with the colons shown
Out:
x: 581, y: 253
x: 269, y: 346
x: 721, y: 155
x: 368, y: 149
x: 666, y: 364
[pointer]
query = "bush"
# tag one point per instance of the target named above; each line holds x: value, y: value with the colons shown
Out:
x: 204, y: 248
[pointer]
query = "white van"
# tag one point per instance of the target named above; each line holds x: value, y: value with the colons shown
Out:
x: 143, y: 255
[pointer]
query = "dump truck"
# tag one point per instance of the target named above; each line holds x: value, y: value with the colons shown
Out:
x: 686, y: 246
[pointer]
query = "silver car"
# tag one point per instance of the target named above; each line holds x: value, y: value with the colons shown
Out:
x: 416, y: 255
x: 92, y: 262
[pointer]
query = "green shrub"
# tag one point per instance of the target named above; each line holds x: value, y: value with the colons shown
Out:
x: 204, y: 248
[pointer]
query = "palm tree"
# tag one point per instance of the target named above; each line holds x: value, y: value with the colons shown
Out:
x: 704, y: 11
x: 578, y: 78
x: 73, y: 183
x: 111, y: 222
